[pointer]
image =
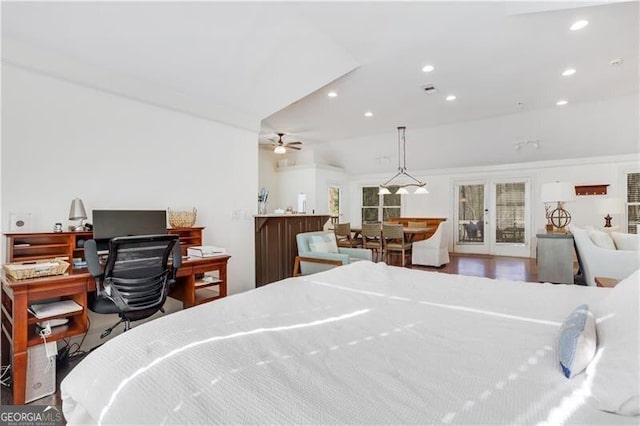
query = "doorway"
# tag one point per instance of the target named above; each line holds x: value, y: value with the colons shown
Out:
x: 493, y: 217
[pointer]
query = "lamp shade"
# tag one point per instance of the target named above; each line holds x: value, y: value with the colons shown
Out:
x: 557, y: 191
x: 77, y: 211
x: 612, y: 205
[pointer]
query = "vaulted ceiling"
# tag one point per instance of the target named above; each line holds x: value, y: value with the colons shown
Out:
x: 497, y: 58
x: 270, y: 65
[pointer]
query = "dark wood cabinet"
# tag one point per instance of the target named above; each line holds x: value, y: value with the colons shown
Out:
x: 30, y: 246
x: 275, y: 243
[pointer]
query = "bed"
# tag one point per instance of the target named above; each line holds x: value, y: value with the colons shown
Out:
x: 363, y: 343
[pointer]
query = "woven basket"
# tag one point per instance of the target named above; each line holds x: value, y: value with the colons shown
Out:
x: 183, y: 219
x: 35, y: 269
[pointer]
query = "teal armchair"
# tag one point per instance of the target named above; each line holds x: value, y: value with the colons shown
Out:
x: 322, y: 245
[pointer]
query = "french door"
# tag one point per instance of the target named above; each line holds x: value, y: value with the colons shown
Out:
x: 493, y: 217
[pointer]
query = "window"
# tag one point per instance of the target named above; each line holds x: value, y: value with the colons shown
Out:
x: 376, y: 208
x: 334, y: 200
x: 633, y: 202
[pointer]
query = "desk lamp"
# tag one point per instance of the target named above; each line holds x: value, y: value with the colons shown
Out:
x: 558, y: 192
x: 77, y: 212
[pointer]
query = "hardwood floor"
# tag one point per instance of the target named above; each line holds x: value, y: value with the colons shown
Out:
x: 513, y: 268
x: 503, y: 267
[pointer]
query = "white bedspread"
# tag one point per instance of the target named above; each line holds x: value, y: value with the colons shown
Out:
x: 364, y: 343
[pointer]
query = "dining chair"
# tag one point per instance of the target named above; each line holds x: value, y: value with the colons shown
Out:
x: 393, y: 239
x: 372, y: 239
x: 433, y: 251
x: 343, y: 235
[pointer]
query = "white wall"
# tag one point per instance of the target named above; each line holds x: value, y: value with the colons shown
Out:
x: 587, y: 171
x: 61, y: 140
x: 334, y: 176
x: 268, y: 178
x: 291, y: 182
x: 285, y: 183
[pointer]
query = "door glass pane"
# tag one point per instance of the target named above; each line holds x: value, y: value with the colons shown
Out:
x: 510, y: 208
x: 471, y: 213
x: 334, y: 200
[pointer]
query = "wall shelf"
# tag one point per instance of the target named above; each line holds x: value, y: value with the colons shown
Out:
x: 600, y: 189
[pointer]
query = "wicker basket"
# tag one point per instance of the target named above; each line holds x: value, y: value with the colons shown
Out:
x: 35, y: 269
x: 183, y: 219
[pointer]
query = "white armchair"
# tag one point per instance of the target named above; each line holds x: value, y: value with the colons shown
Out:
x: 433, y: 251
x: 598, y: 261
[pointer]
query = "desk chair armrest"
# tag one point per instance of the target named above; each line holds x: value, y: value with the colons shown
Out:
x: 358, y: 253
x: 91, y: 256
x: 176, y: 260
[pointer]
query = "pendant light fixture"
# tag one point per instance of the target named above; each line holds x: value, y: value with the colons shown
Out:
x: 397, y: 181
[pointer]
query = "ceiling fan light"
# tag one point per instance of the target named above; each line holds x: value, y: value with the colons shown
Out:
x: 383, y: 191
x: 280, y: 149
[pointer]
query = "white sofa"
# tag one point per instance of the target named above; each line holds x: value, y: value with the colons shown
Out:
x: 606, y: 255
x: 433, y: 251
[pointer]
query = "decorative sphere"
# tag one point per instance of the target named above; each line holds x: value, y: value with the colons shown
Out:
x: 560, y: 218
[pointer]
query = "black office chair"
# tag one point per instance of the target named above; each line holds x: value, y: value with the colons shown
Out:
x: 136, y: 277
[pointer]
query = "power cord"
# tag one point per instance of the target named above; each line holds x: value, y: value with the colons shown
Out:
x: 71, y: 351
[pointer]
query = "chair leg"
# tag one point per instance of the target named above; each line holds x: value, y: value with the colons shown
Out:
x: 110, y: 329
x: 127, y: 325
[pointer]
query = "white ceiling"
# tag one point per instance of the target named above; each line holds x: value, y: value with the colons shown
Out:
x: 491, y: 55
x: 243, y: 62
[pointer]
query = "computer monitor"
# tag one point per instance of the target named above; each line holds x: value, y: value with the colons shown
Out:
x: 108, y: 224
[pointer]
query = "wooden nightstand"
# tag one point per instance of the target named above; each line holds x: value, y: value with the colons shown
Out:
x: 606, y: 282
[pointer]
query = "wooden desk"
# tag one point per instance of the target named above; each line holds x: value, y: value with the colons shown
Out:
x: 19, y: 329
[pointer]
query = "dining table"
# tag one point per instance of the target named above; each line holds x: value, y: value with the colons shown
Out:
x: 409, y: 232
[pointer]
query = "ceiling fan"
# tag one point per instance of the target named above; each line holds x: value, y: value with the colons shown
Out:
x: 280, y: 146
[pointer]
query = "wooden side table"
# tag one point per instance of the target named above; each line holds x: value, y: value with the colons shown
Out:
x: 606, y: 282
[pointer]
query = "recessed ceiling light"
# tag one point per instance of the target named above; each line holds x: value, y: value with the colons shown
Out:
x: 368, y: 114
x: 562, y: 102
x: 451, y: 97
x: 568, y: 72
x: 578, y: 25
x: 427, y: 68
x: 332, y: 94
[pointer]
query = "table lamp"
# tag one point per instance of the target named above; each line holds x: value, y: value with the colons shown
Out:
x: 77, y: 212
x: 558, y: 192
x: 608, y: 206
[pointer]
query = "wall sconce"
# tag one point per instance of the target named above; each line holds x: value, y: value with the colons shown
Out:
x: 535, y: 143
